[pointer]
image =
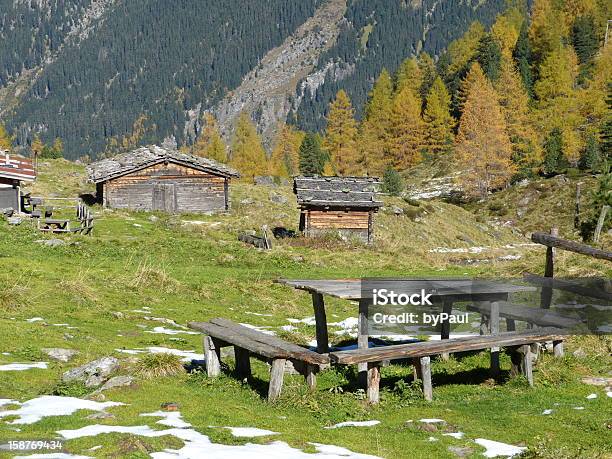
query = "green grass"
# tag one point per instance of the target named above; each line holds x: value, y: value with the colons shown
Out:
x: 199, y: 271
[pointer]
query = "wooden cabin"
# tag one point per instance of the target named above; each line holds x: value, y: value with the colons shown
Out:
x: 14, y: 171
x: 345, y: 205
x: 156, y: 178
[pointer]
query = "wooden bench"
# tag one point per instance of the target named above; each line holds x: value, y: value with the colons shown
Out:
x: 516, y: 344
x: 535, y: 316
x: 248, y: 342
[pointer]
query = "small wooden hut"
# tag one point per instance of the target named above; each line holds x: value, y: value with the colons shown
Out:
x: 156, y: 178
x: 14, y: 170
x: 342, y: 204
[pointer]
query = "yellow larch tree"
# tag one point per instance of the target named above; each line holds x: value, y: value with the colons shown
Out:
x: 341, y: 134
x: 483, y: 148
x: 210, y: 144
x: 407, y: 130
x: 285, y: 158
x: 248, y: 154
x: 439, y: 123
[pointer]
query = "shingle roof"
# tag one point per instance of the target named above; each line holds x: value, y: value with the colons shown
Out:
x: 140, y: 158
x: 16, y: 167
x: 337, y: 191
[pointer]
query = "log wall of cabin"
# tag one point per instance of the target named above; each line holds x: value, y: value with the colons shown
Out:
x: 346, y: 222
x: 167, y: 187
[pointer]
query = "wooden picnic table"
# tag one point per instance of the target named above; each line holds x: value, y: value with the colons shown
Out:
x: 56, y: 223
x: 486, y: 293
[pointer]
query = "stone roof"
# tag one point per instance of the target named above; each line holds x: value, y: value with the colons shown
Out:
x: 343, y: 192
x: 140, y: 158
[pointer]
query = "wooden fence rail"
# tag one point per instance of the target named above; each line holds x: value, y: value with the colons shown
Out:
x: 584, y: 249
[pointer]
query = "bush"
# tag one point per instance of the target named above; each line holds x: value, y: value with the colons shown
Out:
x: 393, y: 182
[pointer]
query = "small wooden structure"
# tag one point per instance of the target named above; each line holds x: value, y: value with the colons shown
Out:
x: 343, y: 204
x: 14, y: 170
x: 246, y: 341
x: 83, y: 223
x: 156, y: 178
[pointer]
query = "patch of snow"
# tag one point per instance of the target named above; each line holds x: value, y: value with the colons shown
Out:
x: 354, y: 424
x: 196, y: 443
x: 432, y: 420
x: 457, y: 435
x: 250, y: 432
x: 170, y: 331
x: 579, y: 407
x: 432, y: 439
x: 130, y: 351
x: 50, y: 405
x: 8, y: 401
x: 459, y: 250
x: 288, y: 328
x: 170, y: 418
x: 609, y: 393
x: 306, y: 321
x: 23, y: 366
x: 187, y: 356
x: 495, y: 448
x: 548, y: 411
x: 591, y: 396
x: 35, y: 319
x: 258, y: 314
x: 347, y: 324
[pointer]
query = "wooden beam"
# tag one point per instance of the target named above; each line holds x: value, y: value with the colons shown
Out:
x: 558, y: 349
x: 276, y: 379
x: 362, y: 337
x: 526, y: 364
x: 311, y: 377
x: 584, y: 249
x: 494, y: 318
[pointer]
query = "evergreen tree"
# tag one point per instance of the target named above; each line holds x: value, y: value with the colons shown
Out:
x: 439, y: 123
x: 392, y: 182
x: 407, y: 129
x: 312, y: 159
x: 507, y: 28
x: 210, y: 144
x: 340, y: 135
x: 590, y: 158
x: 584, y: 38
x: 285, y: 155
x: 489, y: 57
x: 6, y: 142
x: 375, y: 128
x: 429, y: 74
x: 553, y: 152
x: 58, y: 148
x: 483, y: 145
x: 248, y: 154
x: 522, y: 57
x: 606, y: 131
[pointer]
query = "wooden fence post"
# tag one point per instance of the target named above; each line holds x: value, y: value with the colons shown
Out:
x: 600, y: 222
x: 549, y: 271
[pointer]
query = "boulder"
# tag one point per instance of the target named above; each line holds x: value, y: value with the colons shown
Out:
x: 59, y: 354
x: 278, y: 198
x: 14, y: 220
x: 7, y: 212
x: 50, y: 242
x: 267, y: 180
x: 397, y: 210
x: 117, y: 381
x: 93, y: 373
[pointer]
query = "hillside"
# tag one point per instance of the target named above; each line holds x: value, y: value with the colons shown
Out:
x: 126, y: 291
x: 86, y: 60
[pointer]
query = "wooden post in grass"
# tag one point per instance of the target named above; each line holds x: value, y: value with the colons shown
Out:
x: 600, y: 223
x: 526, y: 363
x: 276, y: 379
x: 321, y: 323
x: 373, y: 382
x: 311, y: 376
x: 212, y: 354
x: 243, y: 362
x: 426, y: 375
x: 577, y: 207
x: 558, y: 349
x: 494, y: 322
x: 549, y: 271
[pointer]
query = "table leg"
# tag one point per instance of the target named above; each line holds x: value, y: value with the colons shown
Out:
x: 445, y: 326
x: 494, y: 321
x: 321, y: 323
x: 362, y: 337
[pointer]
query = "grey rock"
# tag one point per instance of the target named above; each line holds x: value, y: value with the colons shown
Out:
x: 247, y: 201
x: 68, y: 336
x: 59, y: 354
x: 93, y: 373
x: 50, y: 242
x: 278, y: 198
x: 7, y: 212
x: 298, y: 259
x: 461, y: 451
x: 267, y: 180
x: 397, y: 210
x: 117, y: 314
x: 101, y: 415
x: 14, y: 220
x: 597, y: 381
x: 117, y: 381
x: 153, y: 218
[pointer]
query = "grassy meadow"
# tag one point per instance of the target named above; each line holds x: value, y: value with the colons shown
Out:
x: 106, y: 291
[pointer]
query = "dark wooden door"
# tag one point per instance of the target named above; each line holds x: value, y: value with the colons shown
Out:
x: 164, y: 197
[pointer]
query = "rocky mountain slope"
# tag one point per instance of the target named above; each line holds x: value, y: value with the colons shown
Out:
x: 97, y: 71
